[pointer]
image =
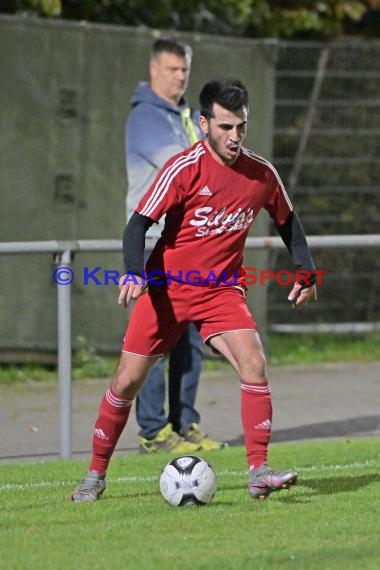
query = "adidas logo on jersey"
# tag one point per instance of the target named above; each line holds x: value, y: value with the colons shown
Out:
x: 205, y: 191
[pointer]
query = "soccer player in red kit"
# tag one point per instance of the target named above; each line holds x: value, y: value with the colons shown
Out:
x: 210, y: 195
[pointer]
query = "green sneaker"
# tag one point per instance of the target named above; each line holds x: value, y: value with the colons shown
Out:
x: 167, y: 440
x: 90, y: 488
x: 194, y: 435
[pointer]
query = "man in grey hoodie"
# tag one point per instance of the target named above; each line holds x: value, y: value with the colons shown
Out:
x: 160, y: 125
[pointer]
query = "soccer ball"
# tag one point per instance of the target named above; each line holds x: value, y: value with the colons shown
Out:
x: 188, y: 480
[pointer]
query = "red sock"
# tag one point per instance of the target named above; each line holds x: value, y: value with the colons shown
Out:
x: 256, y: 417
x: 113, y: 415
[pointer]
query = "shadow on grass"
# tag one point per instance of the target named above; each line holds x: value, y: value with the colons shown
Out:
x: 314, y: 487
x: 331, y: 486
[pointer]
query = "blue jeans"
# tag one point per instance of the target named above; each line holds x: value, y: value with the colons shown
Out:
x: 184, y: 368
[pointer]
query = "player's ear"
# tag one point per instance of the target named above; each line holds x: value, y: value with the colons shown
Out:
x: 153, y: 69
x: 203, y: 123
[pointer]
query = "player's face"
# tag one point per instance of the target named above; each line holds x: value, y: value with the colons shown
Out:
x: 169, y: 74
x: 225, y: 132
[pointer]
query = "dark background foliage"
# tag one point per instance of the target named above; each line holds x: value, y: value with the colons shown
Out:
x: 287, y: 19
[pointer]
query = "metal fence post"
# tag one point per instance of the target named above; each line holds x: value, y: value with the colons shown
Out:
x: 64, y: 360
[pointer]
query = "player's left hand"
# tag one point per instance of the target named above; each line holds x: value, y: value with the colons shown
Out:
x: 131, y: 289
x: 300, y: 297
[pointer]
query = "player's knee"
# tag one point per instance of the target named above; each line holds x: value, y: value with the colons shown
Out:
x: 254, y: 370
x: 126, y: 387
x: 127, y: 381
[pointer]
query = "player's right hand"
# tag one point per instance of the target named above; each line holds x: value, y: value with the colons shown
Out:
x: 131, y: 289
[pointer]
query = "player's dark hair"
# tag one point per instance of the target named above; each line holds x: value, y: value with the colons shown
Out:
x: 171, y: 45
x: 230, y: 94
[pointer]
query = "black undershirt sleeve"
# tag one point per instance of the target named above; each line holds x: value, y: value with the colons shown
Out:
x: 293, y: 236
x: 134, y: 243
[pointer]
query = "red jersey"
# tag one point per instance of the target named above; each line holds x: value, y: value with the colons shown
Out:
x: 209, y: 209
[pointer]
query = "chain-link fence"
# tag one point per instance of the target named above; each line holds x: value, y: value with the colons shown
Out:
x: 327, y: 151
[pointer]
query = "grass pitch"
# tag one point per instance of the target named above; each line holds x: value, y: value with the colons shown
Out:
x: 329, y: 521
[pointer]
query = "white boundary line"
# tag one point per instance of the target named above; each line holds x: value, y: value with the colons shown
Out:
x: 56, y: 484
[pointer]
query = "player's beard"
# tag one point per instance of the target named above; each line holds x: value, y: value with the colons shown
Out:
x: 223, y: 151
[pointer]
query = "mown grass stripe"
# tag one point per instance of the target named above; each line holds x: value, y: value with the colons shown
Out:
x: 310, y: 469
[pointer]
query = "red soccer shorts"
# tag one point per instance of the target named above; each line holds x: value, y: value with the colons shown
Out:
x: 160, y: 317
